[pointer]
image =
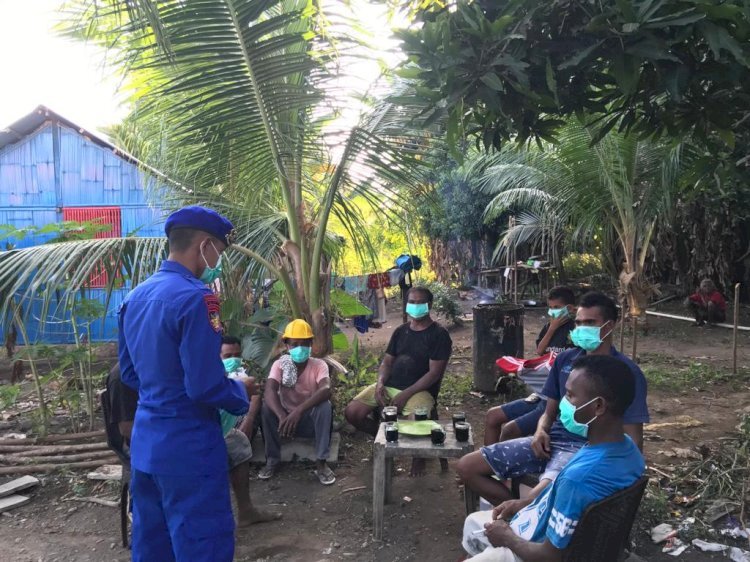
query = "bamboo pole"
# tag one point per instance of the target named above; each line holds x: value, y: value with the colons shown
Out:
x: 734, y: 330
x: 686, y: 319
x: 21, y: 459
x: 35, y: 450
x: 31, y: 468
x: 54, y: 438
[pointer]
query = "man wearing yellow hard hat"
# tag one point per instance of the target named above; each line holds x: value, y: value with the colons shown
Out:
x: 297, y: 402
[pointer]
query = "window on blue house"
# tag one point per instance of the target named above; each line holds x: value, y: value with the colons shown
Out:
x: 100, y: 215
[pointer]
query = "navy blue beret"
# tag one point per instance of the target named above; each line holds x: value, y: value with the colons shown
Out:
x: 203, y: 219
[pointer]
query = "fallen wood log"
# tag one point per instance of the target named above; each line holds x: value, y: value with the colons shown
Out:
x: 99, y: 501
x: 54, y: 438
x: 37, y: 468
x: 34, y: 450
x: 89, y: 455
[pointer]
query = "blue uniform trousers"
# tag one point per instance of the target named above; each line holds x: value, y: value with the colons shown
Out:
x: 182, y: 518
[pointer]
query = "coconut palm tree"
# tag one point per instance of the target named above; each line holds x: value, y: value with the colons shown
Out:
x: 236, y: 102
x: 612, y: 194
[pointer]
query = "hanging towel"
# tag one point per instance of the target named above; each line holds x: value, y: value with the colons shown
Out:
x: 355, y: 284
x: 394, y: 276
x: 378, y: 280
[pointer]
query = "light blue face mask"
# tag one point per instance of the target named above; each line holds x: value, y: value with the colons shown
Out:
x: 588, y: 338
x: 417, y: 311
x: 231, y: 364
x: 300, y: 354
x: 557, y: 312
x: 568, y: 417
x: 211, y: 274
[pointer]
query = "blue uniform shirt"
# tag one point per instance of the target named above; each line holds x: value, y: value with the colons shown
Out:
x: 170, y: 340
x: 554, y: 388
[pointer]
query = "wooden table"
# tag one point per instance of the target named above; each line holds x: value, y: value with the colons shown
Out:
x: 406, y: 446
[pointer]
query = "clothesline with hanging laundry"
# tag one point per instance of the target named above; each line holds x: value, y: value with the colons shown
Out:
x: 354, y: 284
x: 369, y: 292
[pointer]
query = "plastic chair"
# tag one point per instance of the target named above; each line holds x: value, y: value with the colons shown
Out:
x: 604, y: 528
x: 116, y: 442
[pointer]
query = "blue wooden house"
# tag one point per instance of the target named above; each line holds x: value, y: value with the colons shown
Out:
x: 51, y: 171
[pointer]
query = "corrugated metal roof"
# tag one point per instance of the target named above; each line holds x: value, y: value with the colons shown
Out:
x: 42, y: 115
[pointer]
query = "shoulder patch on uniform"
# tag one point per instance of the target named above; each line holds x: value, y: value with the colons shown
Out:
x: 212, y: 304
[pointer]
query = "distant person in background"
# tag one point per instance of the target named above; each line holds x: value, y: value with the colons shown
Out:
x: 707, y: 304
x: 520, y: 417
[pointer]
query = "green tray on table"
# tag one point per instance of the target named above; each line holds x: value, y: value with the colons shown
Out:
x: 420, y: 428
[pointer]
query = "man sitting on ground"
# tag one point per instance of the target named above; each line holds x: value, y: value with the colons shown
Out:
x: 123, y: 403
x: 297, y: 402
x: 707, y: 304
x: 520, y: 417
x: 552, y: 446
x: 599, y: 391
x: 411, y: 372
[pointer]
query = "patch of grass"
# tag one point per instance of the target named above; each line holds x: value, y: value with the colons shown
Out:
x: 9, y: 395
x: 455, y: 388
x: 654, y: 508
x: 696, y: 375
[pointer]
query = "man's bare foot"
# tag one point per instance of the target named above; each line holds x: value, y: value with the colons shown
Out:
x: 417, y: 467
x: 256, y: 516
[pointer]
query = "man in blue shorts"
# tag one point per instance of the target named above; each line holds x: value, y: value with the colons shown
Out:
x: 599, y: 391
x: 520, y: 417
x: 552, y: 446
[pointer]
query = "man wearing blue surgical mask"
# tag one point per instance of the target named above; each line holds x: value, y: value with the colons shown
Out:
x: 169, y: 339
x: 553, y: 445
x: 297, y: 402
x: 598, y: 393
x: 411, y: 372
x: 238, y: 435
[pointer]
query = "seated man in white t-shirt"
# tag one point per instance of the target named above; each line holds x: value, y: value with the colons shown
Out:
x: 297, y: 402
x: 599, y: 390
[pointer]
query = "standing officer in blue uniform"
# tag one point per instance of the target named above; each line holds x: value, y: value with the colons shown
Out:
x: 170, y: 338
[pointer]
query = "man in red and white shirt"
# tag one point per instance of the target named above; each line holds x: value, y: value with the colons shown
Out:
x: 707, y: 304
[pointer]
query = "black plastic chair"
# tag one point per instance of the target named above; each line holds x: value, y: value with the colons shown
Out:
x: 116, y: 442
x: 604, y: 528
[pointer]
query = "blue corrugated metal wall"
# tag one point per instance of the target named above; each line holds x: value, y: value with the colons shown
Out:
x: 56, y: 167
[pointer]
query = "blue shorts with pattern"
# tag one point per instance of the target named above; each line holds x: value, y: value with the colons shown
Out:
x: 509, y: 459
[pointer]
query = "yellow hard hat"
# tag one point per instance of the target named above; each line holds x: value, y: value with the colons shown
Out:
x: 298, y: 330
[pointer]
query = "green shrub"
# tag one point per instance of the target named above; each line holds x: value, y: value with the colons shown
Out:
x: 446, y: 300
x: 577, y: 266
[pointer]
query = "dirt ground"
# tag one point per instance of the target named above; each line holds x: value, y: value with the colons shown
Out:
x: 334, y: 523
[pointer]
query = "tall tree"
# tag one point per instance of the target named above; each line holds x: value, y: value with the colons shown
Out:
x: 235, y: 101
x: 509, y: 70
x: 621, y: 188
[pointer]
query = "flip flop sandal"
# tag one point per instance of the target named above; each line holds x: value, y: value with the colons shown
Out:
x: 266, y: 472
x: 326, y: 476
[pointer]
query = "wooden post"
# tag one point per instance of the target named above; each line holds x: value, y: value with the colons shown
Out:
x: 633, y: 356
x: 736, y: 323
x: 623, y: 304
x: 378, y: 490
